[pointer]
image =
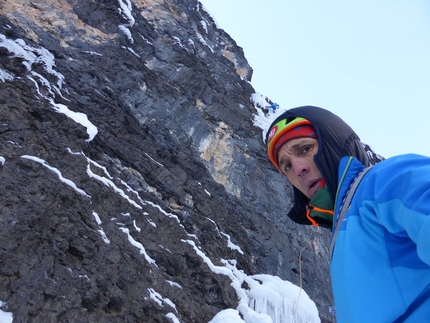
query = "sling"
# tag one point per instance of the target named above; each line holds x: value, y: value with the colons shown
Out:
x: 345, y: 206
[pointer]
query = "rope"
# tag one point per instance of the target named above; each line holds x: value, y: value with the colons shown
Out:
x: 345, y: 206
x: 311, y: 238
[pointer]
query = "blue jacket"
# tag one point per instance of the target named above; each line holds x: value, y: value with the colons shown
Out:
x: 381, y: 261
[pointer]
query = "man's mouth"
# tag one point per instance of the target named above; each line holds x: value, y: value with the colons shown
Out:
x: 313, y: 186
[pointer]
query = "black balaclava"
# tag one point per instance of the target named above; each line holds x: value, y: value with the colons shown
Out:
x: 336, y: 139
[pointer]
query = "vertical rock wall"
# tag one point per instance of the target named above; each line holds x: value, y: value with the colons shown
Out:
x: 128, y: 147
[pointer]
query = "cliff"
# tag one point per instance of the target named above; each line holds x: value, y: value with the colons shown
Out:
x: 134, y: 183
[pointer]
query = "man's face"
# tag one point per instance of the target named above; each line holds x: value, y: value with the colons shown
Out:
x: 296, y: 161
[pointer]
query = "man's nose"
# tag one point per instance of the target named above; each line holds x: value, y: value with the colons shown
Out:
x: 299, y: 167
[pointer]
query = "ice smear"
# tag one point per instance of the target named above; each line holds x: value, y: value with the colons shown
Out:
x: 268, y: 299
x: 229, y: 315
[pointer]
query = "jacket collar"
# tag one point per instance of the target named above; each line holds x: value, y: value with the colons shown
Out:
x: 320, y: 208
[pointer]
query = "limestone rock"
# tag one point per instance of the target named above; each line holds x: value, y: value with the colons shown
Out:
x: 127, y: 146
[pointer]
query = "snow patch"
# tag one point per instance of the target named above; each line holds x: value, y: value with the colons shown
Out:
x: 60, y: 176
x: 172, y: 317
x: 78, y: 117
x: 231, y: 245
x: 174, y: 284
x: 104, y: 237
x: 91, y: 53
x: 136, y: 227
x: 160, y: 299
x: 109, y: 183
x: 262, y: 120
x: 203, y: 41
x: 5, y: 317
x: 156, y: 162
x: 138, y: 245
x: 227, y: 316
x: 204, y: 25
x: 125, y: 11
x: 32, y: 55
x: 96, y: 216
x: 6, y: 76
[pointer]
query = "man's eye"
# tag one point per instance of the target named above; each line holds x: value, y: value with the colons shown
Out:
x: 287, y: 167
x: 306, y: 149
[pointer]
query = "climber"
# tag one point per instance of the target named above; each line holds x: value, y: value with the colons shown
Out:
x: 274, y: 106
x: 380, y: 250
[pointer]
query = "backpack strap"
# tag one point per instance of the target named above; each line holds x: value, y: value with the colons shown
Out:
x: 345, y: 206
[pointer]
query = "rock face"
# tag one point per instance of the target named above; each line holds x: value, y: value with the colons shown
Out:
x: 131, y: 168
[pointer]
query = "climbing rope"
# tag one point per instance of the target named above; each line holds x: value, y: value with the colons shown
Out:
x: 311, y: 238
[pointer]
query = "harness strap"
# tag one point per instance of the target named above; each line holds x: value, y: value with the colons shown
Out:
x: 345, y: 206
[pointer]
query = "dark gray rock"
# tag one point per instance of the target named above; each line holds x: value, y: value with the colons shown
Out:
x: 91, y: 230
